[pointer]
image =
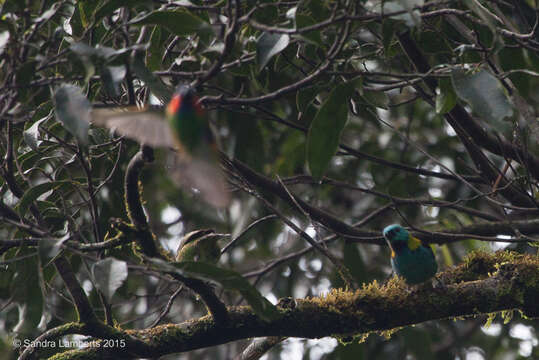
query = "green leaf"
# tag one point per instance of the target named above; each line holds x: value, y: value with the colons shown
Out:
x: 156, y: 49
x: 179, y: 22
x: 100, y: 55
x: 409, y: 5
x: 325, y: 130
x: 26, y: 292
x: 376, y: 98
x: 8, y: 25
x: 100, y: 59
x: 446, y: 99
x: 305, y: 96
x: 109, y: 274
x: 229, y: 279
x: 312, y: 36
x: 101, y: 52
x: 79, y: 19
x: 388, y: 33
x: 269, y: 45
x: 49, y: 248
x: 24, y: 76
x: 160, y: 90
x: 242, y: 70
x: 484, y: 14
x: 484, y: 93
x: 292, y: 155
x: 319, y: 9
x: 73, y: 111
x: 249, y: 134
x: 112, y: 77
x: 108, y: 7
x: 35, y: 192
x: 31, y: 135
x: 307, y: 115
x: 266, y: 14
x: 411, y: 17
x: 48, y: 14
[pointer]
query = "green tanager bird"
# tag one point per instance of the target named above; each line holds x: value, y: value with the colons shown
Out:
x: 410, y: 259
x: 182, y: 128
x: 199, y: 245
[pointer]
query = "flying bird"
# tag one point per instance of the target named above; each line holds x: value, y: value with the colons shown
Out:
x: 182, y: 128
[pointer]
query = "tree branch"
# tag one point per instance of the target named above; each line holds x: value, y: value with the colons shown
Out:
x: 483, y: 284
x: 82, y: 304
x: 133, y: 204
x: 147, y: 241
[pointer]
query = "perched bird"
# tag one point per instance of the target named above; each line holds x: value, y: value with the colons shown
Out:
x: 182, y: 128
x: 410, y: 259
x: 199, y: 245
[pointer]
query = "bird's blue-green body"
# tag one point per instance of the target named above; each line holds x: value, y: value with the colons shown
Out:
x: 410, y: 259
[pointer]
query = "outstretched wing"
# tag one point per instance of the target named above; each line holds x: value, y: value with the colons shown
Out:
x: 202, y: 175
x: 144, y: 126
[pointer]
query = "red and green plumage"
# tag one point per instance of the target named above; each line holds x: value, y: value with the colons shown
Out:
x: 186, y: 120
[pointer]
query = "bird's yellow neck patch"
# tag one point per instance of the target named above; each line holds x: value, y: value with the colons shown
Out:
x: 413, y: 242
x: 393, y: 254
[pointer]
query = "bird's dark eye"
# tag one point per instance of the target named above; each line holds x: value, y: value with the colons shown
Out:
x: 391, y: 232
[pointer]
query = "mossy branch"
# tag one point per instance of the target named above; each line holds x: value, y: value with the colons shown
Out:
x: 215, y: 307
x: 133, y: 204
x: 104, y: 336
x: 145, y: 238
x: 483, y: 284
